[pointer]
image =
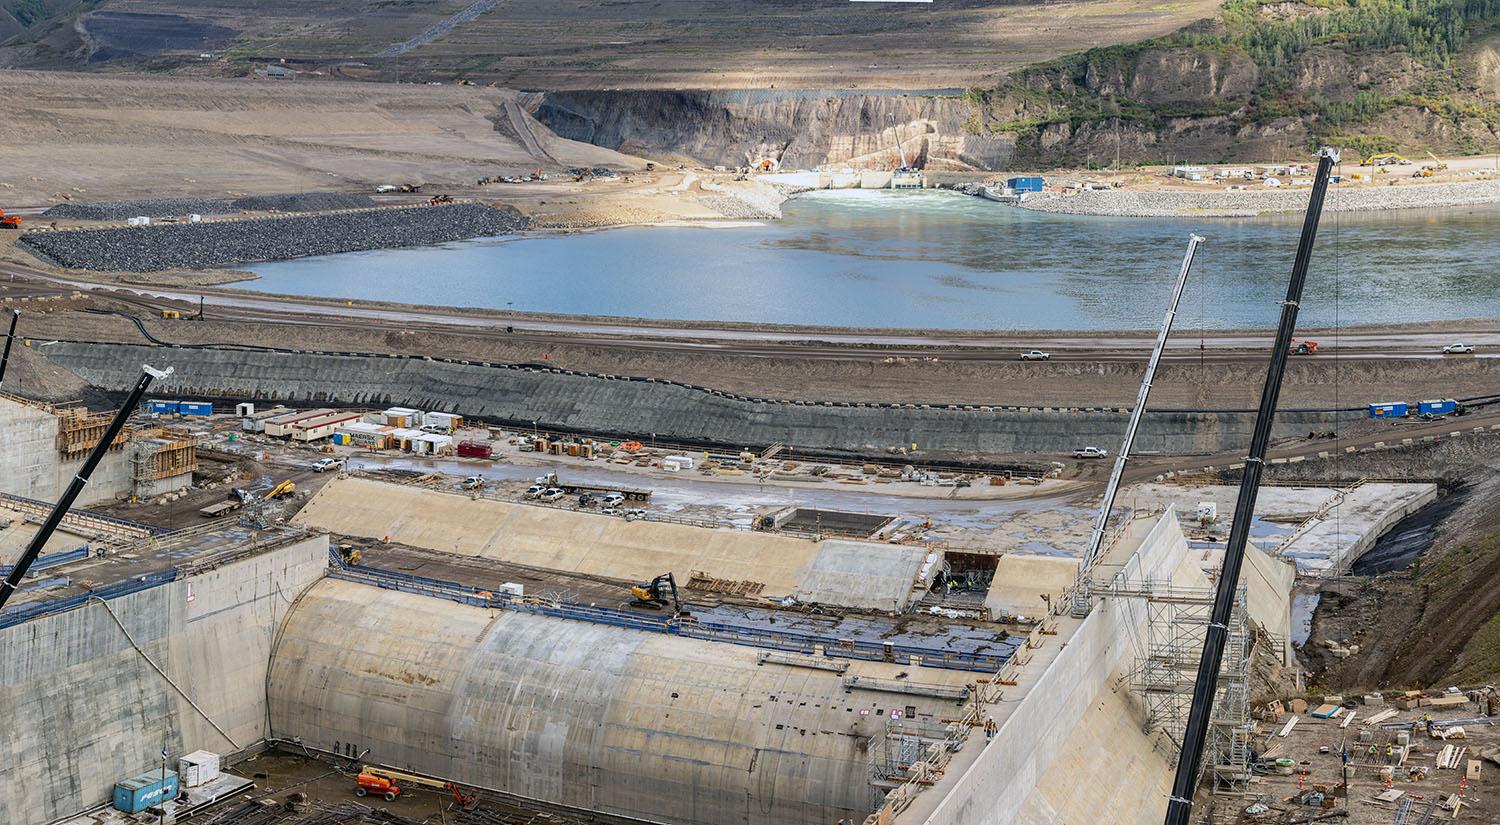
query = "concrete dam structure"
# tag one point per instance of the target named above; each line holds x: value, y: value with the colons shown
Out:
x: 591, y: 717
x: 618, y: 405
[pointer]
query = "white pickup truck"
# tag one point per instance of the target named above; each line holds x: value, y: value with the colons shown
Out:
x: 1090, y: 452
x: 1036, y: 355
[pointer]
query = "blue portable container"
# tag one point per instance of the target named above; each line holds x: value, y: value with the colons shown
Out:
x: 159, y: 407
x: 1388, y: 409
x: 196, y: 408
x: 1025, y: 184
x: 1442, y: 406
x: 141, y: 792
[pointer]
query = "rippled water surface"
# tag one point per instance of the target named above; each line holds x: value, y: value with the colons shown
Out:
x: 944, y: 260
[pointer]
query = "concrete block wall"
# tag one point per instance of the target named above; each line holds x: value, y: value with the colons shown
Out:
x: 34, y: 468
x: 1008, y: 784
x: 583, y: 715
x: 82, y: 709
x: 634, y: 407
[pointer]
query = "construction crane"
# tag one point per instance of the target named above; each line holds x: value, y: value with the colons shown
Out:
x: 653, y: 594
x: 1101, y: 520
x: 1180, y: 803
x: 60, y: 509
x: 10, y: 337
x: 1437, y: 165
x: 386, y: 784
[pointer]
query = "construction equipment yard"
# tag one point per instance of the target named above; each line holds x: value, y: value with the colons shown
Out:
x: 490, y: 535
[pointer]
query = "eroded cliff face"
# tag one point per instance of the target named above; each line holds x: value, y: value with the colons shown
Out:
x: 1141, y: 104
x: 797, y: 129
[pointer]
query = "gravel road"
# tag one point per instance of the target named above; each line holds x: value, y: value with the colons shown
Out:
x: 227, y: 243
x: 161, y: 207
x: 1351, y: 197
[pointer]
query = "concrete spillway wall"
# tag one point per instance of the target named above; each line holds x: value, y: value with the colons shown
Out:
x: 34, y: 468
x: 622, y: 406
x: 83, y: 709
x: 1054, y: 765
x: 589, y: 716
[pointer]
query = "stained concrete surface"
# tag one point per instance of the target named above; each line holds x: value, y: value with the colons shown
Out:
x: 85, y: 709
x: 660, y: 727
x: 608, y: 546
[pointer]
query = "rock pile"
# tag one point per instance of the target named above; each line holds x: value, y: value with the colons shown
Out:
x: 162, y: 207
x: 228, y: 243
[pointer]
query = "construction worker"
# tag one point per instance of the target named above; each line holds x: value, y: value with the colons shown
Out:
x: 1428, y: 720
x: 1372, y: 753
x: 990, y: 728
x: 1389, y: 751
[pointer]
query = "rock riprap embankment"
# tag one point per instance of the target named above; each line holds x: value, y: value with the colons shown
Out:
x: 1348, y: 197
x: 227, y: 243
x: 162, y: 207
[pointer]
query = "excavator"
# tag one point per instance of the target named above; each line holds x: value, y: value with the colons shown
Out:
x: 653, y: 594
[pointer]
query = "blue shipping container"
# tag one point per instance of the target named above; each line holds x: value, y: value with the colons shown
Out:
x: 141, y: 792
x: 1027, y: 184
x: 162, y: 407
x: 1389, y: 409
x: 1445, y: 406
x: 196, y: 408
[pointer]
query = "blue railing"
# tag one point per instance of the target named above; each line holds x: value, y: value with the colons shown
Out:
x: 47, y: 560
x: 762, y: 638
x: 26, y: 612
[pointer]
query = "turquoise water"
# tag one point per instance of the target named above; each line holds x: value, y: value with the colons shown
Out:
x: 943, y: 260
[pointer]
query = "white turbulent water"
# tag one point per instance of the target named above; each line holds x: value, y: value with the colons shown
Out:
x: 942, y: 260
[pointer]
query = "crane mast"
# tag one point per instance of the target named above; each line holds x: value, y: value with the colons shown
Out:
x: 1101, y: 520
x: 1180, y: 804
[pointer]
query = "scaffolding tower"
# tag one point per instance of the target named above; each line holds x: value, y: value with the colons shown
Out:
x: 158, y: 455
x: 1166, y: 664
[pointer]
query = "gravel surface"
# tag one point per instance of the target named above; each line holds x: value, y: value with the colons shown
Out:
x: 161, y: 207
x: 227, y: 243
x: 1350, y: 197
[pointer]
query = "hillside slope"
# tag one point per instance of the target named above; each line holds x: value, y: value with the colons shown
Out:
x: 1266, y: 78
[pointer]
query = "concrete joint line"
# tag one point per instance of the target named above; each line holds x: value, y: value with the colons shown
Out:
x: 163, y: 673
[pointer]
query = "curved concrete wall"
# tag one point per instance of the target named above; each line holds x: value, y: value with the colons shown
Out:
x: 596, y: 404
x: 596, y: 717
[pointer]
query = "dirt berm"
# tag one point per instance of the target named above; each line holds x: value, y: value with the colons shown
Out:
x: 619, y: 406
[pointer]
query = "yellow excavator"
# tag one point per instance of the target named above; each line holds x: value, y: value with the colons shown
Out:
x: 653, y: 594
x: 1385, y: 159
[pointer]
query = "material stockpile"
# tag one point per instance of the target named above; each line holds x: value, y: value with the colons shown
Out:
x: 228, y: 243
x: 162, y: 207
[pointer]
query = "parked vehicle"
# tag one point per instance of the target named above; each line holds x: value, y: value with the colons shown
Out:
x: 1036, y: 355
x: 535, y: 490
x: 610, y: 511
x: 585, y: 500
x: 612, y: 499
x: 323, y: 465
x: 1458, y: 349
x: 473, y: 483
x: 551, y: 494
x: 1090, y: 452
x: 632, y: 515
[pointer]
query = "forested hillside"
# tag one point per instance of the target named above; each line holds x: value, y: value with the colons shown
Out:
x: 1366, y: 74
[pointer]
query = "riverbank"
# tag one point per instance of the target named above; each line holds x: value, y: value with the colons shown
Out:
x: 208, y: 245
x: 1249, y: 203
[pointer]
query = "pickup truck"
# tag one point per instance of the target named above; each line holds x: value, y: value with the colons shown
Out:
x: 1458, y: 349
x: 323, y: 465
x: 1090, y: 452
x: 1036, y: 355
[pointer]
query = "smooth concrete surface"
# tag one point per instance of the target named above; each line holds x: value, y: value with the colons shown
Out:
x: 15, y: 538
x: 1011, y: 781
x: 637, y: 724
x: 1268, y: 593
x: 82, y: 708
x: 1329, y: 544
x: 863, y: 574
x: 34, y: 468
x: 623, y: 406
x: 1021, y: 580
x: 600, y: 545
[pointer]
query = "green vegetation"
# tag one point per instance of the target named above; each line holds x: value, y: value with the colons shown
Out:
x: 27, y: 12
x: 1276, y: 37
